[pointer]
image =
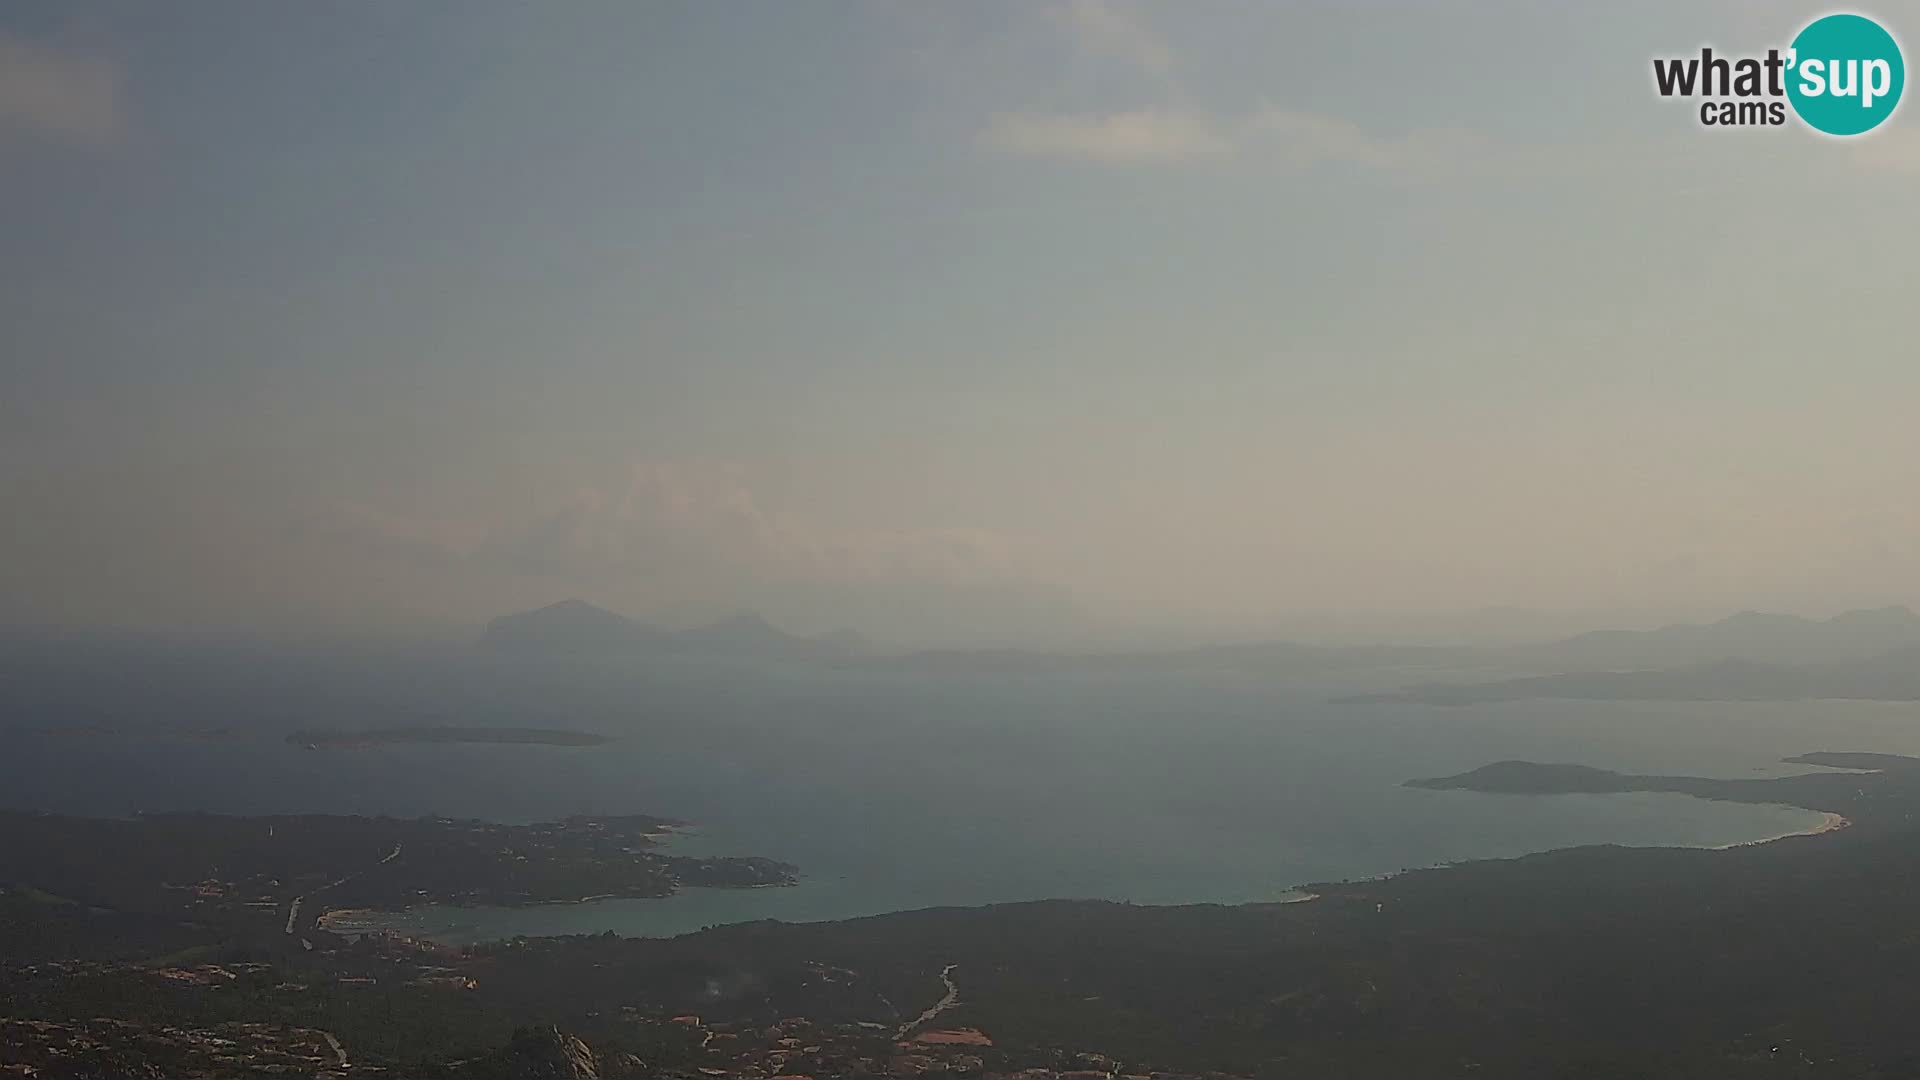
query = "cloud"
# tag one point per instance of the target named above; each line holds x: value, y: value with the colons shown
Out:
x: 669, y: 520
x: 672, y: 542
x: 703, y: 522
x: 1145, y: 135
x: 58, y: 95
x: 1304, y: 140
x: 1280, y: 137
x: 1167, y: 129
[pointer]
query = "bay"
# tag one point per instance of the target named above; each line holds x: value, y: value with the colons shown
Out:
x: 896, y: 791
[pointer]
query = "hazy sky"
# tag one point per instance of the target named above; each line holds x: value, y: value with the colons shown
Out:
x: 949, y: 320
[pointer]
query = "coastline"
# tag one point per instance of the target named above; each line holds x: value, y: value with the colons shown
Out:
x: 1830, y: 822
x: 663, y: 925
x: 1305, y: 893
x: 321, y: 922
x: 325, y: 920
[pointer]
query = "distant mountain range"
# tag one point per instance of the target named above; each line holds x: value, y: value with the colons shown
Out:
x: 1750, y: 637
x: 1893, y: 677
x: 1268, y: 656
x: 575, y: 628
x: 1759, y: 637
x: 1868, y: 655
x: 1750, y: 656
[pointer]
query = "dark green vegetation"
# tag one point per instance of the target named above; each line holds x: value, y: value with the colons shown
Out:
x: 93, y: 887
x: 355, y: 740
x: 1789, y: 959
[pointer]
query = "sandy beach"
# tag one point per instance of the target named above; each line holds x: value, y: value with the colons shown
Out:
x: 345, y: 916
x: 1830, y: 822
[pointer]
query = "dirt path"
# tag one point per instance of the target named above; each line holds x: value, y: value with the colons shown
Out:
x: 338, y: 1050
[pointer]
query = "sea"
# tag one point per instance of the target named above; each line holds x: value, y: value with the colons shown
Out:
x: 899, y: 790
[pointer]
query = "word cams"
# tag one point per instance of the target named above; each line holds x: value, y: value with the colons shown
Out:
x: 1752, y: 91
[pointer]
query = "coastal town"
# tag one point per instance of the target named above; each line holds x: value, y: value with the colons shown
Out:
x: 676, y: 1046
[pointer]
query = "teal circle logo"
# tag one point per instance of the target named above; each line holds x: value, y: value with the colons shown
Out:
x: 1845, y: 74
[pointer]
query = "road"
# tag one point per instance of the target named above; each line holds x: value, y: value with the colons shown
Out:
x: 951, y: 999
x: 293, y: 908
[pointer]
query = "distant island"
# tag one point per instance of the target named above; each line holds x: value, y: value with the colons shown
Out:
x: 357, y: 740
x: 1871, y: 786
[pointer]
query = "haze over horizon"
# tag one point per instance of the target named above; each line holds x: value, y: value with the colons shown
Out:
x: 958, y: 323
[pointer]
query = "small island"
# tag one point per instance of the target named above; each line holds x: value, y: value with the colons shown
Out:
x: 1876, y: 791
x: 372, y: 737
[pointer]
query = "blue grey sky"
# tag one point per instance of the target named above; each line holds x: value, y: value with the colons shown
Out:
x: 985, y: 321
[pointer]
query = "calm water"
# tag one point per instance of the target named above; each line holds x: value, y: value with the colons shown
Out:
x: 895, y: 792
